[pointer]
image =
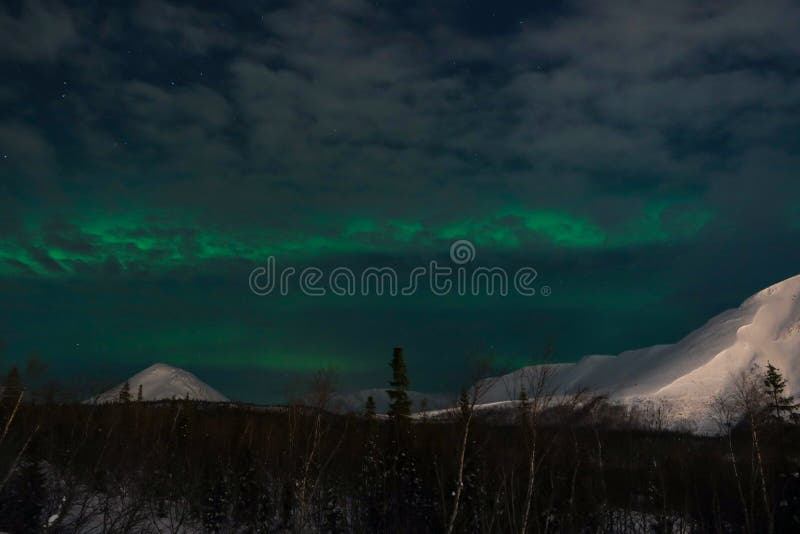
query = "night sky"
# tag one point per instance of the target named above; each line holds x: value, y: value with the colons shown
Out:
x: 643, y: 157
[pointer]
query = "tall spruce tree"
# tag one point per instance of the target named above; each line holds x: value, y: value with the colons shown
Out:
x: 333, y: 517
x: 775, y: 385
x: 400, y: 404
x: 125, y: 392
x: 369, y: 407
x: 22, y: 498
x: 523, y: 397
x: 12, y: 388
x: 216, y: 507
x: 139, y: 397
x: 464, y: 403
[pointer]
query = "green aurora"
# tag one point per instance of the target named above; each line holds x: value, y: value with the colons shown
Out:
x: 139, y: 240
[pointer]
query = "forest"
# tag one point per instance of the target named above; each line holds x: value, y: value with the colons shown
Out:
x: 543, y: 463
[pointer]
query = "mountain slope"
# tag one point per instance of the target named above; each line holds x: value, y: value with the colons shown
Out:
x: 161, y: 381
x: 687, y: 375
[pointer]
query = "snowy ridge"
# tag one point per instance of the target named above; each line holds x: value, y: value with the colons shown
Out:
x: 688, y: 374
x: 162, y: 382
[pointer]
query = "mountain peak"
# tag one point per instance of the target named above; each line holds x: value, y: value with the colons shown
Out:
x: 162, y: 381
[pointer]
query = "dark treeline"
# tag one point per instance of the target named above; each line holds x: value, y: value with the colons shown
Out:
x: 543, y: 464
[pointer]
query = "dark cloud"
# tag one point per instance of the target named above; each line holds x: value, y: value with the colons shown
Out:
x: 37, y: 31
x: 362, y: 103
x: 185, y: 28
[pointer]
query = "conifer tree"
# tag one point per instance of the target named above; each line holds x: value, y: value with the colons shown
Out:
x: 125, y: 392
x: 373, y: 482
x: 333, y: 517
x: 523, y: 397
x: 288, y: 499
x: 423, y: 408
x: 400, y: 405
x: 22, y: 498
x: 369, y: 407
x: 216, y: 507
x: 12, y: 387
x: 522, y: 405
x: 463, y: 402
x: 782, y: 405
x: 35, y: 368
x: 139, y: 397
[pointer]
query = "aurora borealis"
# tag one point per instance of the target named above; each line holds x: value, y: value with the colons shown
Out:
x: 158, y: 243
x: 643, y: 157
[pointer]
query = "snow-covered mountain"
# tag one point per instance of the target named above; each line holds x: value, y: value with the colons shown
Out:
x: 687, y: 375
x: 161, y: 381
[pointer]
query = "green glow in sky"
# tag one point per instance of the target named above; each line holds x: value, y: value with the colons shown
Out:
x: 136, y: 240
